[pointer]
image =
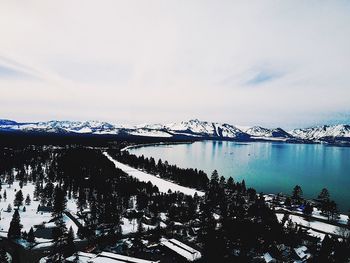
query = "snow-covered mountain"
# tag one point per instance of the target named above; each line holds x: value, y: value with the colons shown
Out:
x: 323, y: 132
x: 61, y: 127
x: 258, y: 132
x: 194, y: 129
x: 205, y: 129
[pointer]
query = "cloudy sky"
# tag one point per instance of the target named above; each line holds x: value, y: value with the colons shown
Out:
x: 272, y: 63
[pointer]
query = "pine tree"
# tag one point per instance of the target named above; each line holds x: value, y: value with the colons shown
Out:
x: 243, y: 186
x: 9, y: 208
x: 308, y: 209
x: 59, y: 248
x: 297, y: 193
x: 18, y: 199
x: 28, y: 200
x: 324, y: 195
x: 214, y: 180
x: 31, y: 237
x: 60, y: 202
x: 37, y: 190
x: 288, y: 202
x: 326, y: 248
x: 70, y: 242
x: 230, y: 183
x: 5, y: 195
x: 15, y: 226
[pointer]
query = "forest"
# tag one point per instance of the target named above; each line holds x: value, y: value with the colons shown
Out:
x: 231, y: 222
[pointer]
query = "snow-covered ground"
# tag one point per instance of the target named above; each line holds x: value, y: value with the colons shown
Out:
x: 317, y: 225
x: 30, y: 217
x: 131, y: 226
x: 163, y: 185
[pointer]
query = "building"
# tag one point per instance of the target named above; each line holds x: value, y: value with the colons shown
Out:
x: 106, y: 257
x: 181, y: 249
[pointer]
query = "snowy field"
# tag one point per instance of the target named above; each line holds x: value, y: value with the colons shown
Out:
x: 163, y: 185
x: 29, y: 218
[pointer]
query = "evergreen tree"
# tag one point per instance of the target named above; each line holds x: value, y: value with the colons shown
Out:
x: 222, y: 182
x: 308, y: 209
x: 9, y: 208
x: 230, y: 183
x: 297, y: 194
x: 326, y: 249
x: 37, y: 190
x: 5, y: 195
x: 324, y: 194
x: 214, y: 180
x: 15, y: 226
x: 18, y: 199
x: 329, y: 207
x: 59, y: 249
x: 60, y: 202
x: 31, y: 237
x: 243, y: 186
x: 28, y: 200
x: 70, y: 242
x: 288, y: 202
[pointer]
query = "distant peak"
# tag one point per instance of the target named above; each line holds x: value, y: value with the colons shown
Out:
x: 195, y: 120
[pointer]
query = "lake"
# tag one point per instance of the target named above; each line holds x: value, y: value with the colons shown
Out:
x: 269, y: 167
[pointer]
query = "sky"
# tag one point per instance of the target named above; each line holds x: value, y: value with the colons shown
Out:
x: 270, y: 63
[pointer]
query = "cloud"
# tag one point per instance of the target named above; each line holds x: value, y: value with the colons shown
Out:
x: 262, y: 76
x: 12, y: 70
x: 158, y: 61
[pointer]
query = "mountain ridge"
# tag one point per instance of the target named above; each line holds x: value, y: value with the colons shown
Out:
x: 193, y: 128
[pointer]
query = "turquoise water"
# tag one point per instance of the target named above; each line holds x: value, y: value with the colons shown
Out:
x: 269, y: 167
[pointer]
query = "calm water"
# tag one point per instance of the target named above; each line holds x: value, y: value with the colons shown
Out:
x: 269, y: 167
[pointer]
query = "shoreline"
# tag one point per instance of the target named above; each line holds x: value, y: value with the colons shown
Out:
x: 154, y: 144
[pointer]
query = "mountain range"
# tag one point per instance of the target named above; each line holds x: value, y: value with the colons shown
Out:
x: 192, y: 129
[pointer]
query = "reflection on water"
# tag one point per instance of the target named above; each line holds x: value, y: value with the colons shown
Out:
x: 267, y: 166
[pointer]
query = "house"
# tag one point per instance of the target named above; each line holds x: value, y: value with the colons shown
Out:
x: 181, y: 249
x: 302, y: 253
x: 268, y: 258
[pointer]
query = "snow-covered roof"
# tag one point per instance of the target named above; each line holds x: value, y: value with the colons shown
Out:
x: 268, y: 258
x: 83, y: 257
x: 106, y: 257
x: 182, y: 249
x: 301, y: 252
x: 116, y: 258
